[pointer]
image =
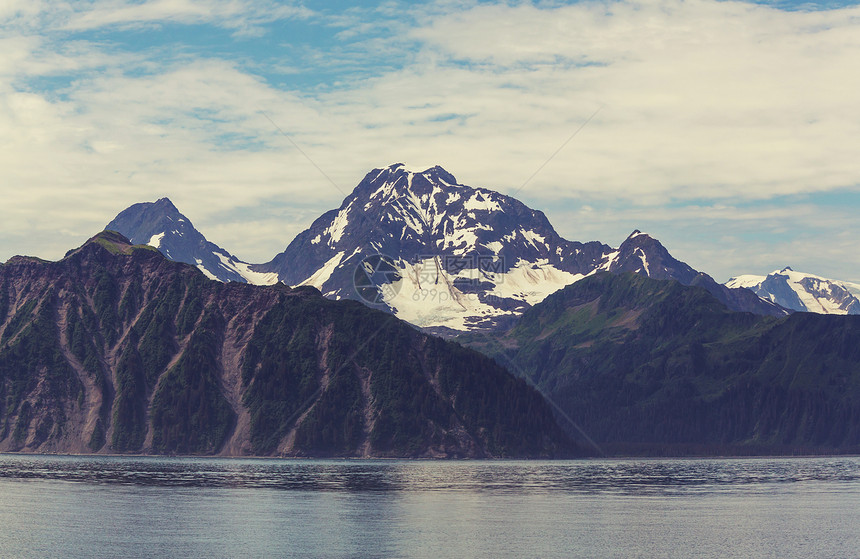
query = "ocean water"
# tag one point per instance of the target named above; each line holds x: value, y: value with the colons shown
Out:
x: 60, y: 506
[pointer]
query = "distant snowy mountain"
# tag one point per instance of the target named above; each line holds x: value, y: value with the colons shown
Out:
x: 439, y: 254
x: 459, y: 257
x: 159, y: 224
x: 643, y: 254
x: 803, y: 292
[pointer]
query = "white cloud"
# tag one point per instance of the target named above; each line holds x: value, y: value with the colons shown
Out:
x: 700, y: 96
x: 242, y: 15
x: 702, y: 100
x: 728, y: 239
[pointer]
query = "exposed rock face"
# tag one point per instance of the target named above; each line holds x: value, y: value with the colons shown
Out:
x: 803, y: 292
x: 115, y: 348
x: 160, y: 225
x: 455, y: 257
x: 465, y: 258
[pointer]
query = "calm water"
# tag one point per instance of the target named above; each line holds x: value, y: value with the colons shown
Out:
x: 158, y: 507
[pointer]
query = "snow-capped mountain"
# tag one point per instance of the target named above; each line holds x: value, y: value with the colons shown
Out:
x: 439, y: 254
x: 803, y: 292
x: 159, y: 224
x: 643, y: 254
x: 459, y: 257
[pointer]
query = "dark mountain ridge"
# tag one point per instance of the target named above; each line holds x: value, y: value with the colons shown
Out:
x: 654, y: 367
x: 115, y: 348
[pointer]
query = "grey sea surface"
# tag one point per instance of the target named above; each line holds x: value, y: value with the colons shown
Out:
x: 118, y: 507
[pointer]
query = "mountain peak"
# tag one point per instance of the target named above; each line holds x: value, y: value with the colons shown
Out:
x: 164, y: 204
x: 439, y: 174
x: 400, y: 174
x: 638, y: 238
x: 160, y: 225
x: 637, y: 234
x: 112, y: 241
x: 110, y: 237
x: 463, y: 255
x: 801, y: 291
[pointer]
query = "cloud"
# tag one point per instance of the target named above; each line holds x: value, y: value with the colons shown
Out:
x: 727, y: 239
x: 703, y: 104
x: 241, y: 15
x: 701, y: 98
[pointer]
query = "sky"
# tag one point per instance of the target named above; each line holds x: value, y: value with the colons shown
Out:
x: 730, y: 131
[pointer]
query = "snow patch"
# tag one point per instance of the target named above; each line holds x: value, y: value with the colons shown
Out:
x: 338, y: 225
x: 610, y: 260
x: 244, y: 270
x: 481, y: 200
x: 644, y: 259
x: 532, y: 282
x: 324, y: 273
x: 155, y: 240
x: 495, y: 246
x: 534, y: 238
x: 426, y: 297
x: 747, y: 281
x: 206, y: 272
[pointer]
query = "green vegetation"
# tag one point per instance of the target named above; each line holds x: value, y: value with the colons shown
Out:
x: 80, y: 340
x: 33, y: 355
x: 116, y: 244
x: 309, y: 356
x: 4, y: 303
x: 189, y: 413
x: 97, y: 439
x: 281, y: 371
x: 655, y: 367
x: 131, y: 301
x: 111, y: 241
x: 105, y: 299
x: 330, y: 378
x: 129, y: 417
x: 192, y: 307
x: 22, y: 423
x: 20, y: 319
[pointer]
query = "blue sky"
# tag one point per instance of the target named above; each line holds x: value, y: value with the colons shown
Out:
x: 728, y: 130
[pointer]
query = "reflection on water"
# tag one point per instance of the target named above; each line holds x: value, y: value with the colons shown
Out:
x: 613, y: 476
x: 62, y: 506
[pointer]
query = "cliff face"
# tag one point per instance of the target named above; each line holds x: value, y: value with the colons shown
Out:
x: 117, y: 349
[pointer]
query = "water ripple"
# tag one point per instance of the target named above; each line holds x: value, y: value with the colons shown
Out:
x: 589, y: 476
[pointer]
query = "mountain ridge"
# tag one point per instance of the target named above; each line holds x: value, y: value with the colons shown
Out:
x: 455, y: 257
x: 650, y: 366
x: 160, y: 224
x: 803, y: 292
x: 115, y: 348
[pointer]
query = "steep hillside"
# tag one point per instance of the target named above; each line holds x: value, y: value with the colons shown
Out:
x: 654, y: 367
x: 115, y: 348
